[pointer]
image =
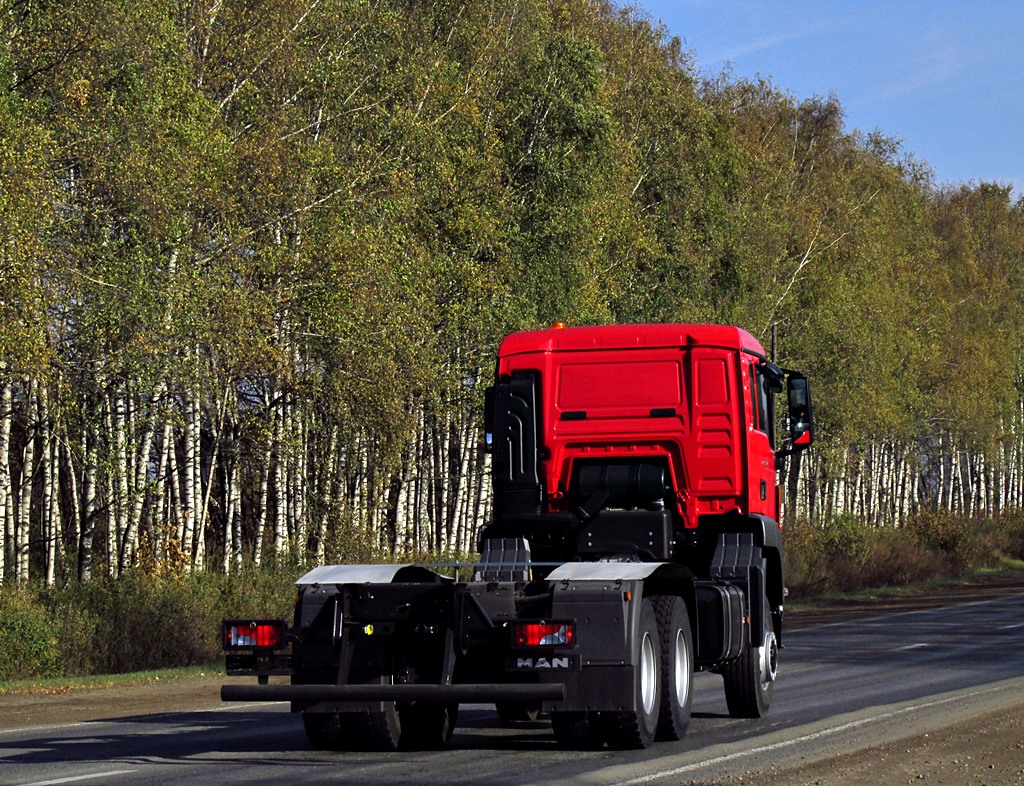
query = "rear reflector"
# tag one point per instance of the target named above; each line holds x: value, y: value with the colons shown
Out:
x: 542, y: 634
x: 254, y: 634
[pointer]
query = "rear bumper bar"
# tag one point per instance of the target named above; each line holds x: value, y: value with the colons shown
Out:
x: 427, y: 693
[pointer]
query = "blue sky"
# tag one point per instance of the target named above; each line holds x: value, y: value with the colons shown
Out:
x: 944, y: 76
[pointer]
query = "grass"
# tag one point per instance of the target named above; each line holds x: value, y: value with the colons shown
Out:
x: 1005, y: 568
x: 62, y: 685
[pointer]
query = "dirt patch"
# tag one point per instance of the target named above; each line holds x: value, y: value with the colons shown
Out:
x: 987, y: 750
x: 21, y: 710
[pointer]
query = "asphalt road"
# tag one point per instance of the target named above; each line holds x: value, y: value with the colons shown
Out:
x: 841, y: 687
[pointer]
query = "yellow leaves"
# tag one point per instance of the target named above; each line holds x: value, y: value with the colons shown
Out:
x: 78, y: 92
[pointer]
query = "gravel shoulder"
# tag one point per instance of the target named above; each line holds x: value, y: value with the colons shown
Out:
x: 987, y: 750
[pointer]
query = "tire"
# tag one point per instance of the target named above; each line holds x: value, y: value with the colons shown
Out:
x: 371, y: 730
x: 518, y: 711
x: 378, y: 730
x: 427, y: 726
x: 577, y: 730
x: 750, y: 679
x: 323, y: 730
x: 637, y: 728
x: 676, y: 666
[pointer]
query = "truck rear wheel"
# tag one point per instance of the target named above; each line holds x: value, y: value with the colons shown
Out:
x: 577, y: 730
x: 373, y: 730
x: 637, y: 728
x: 323, y: 730
x: 676, y: 666
x: 378, y: 730
x: 427, y: 726
x: 750, y: 679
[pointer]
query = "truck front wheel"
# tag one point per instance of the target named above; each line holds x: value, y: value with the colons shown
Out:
x: 750, y: 679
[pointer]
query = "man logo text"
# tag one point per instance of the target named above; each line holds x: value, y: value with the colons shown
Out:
x: 542, y: 663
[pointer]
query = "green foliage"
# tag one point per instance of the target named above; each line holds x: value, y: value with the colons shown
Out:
x: 847, y: 555
x: 30, y: 647
x: 136, y: 623
x: 331, y: 213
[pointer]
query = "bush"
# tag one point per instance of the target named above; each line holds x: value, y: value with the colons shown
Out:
x: 30, y: 644
x: 138, y: 622
x: 835, y: 555
x: 958, y: 540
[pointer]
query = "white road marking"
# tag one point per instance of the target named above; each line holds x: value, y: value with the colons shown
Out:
x: 1012, y: 627
x: 796, y: 741
x: 78, y: 778
x: 918, y: 646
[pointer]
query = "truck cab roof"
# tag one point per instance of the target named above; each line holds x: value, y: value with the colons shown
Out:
x: 625, y: 336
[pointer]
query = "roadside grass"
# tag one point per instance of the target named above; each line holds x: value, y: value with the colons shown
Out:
x: 1005, y: 569
x: 55, y: 686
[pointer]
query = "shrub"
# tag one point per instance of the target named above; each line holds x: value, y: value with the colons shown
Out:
x: 143, y: 621
x: 30, y: 644
x: 956, y: 539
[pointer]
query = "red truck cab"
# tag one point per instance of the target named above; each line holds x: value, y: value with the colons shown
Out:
x: 640, y: 440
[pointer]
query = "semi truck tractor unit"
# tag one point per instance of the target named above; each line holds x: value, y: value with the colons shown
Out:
x: 635, y: 540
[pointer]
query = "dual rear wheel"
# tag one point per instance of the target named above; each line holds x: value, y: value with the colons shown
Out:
x: 408, y: 726
x: 663, y: 686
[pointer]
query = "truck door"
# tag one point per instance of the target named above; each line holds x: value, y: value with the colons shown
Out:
x: 760, y: 457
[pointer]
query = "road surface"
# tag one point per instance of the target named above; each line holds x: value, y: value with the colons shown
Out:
x: 844, y: 688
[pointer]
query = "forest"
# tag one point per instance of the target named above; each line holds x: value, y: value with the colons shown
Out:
x: 256, y: 259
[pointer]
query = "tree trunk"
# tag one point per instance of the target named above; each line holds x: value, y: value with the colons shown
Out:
x: 6, y: 492
x: 28, y: 466
x: 89, y: 469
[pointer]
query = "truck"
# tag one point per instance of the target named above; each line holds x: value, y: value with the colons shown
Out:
x: 635, y: 540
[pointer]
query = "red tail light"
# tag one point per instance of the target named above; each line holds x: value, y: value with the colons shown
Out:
x: 543, y: 634
x: 254, y: 634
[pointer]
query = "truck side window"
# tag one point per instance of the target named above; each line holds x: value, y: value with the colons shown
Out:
x: 761, y: 394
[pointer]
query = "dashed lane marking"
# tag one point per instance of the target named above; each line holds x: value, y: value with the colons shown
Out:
x: 79, y: 778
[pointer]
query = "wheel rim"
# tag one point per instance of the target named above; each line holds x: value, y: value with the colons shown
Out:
x: 770, y: 658
x: 682, y: 669
x: 648, y: 674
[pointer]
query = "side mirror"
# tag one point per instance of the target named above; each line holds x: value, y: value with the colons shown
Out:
x: 801, y: 418
x: 773, y: 376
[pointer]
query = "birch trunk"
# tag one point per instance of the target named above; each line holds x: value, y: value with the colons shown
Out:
x: 28, y: 466
x: 6, y: 493
x: 48, y: 460
x: 134, y: 527
x: 89, y: 469
x: 117, y: 478
x: 277, y: 457
x: 264, y: 501
x: 216, y: 428
x: 162, y: 527
x: 71, y: 537
x: 188, y: 486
